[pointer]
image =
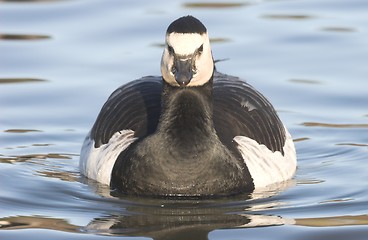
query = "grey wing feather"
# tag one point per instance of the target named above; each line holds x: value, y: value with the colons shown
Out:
x: 135, y: 106
x: 240, y: 110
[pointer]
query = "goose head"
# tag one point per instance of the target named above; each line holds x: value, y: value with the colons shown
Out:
x: 187, y: 58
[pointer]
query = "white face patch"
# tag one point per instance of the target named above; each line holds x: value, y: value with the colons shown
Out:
x: 186, y: 45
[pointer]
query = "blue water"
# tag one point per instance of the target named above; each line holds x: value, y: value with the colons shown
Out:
x: 60, y: 60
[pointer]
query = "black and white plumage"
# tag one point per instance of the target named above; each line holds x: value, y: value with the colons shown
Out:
x: 191, y: 132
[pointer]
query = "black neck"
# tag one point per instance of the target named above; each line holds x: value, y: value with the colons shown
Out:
x: 184, y: 156
x: 186, y: 118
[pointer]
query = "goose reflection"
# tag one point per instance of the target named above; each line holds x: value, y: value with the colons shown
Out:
x: 178, y: 223
x: 185, y: 219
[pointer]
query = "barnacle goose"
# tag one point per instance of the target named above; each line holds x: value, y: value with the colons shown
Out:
x: 192, y: 132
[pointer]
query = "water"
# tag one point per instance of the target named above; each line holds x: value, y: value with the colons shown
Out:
x: 59, y: 61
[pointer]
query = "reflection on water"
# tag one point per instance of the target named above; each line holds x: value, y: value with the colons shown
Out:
x: 155, y: 218
x: 23, y: 37
x: 186, y: 224
x: 339, y: 29
x: 29, y: 1
x: 193, y: 223
x: 60, y: 174
x: 333, y: 221
x: 337, y: 200
x: 28, y: 157
x: 21, y: 80
x: 309, y: 181
x: 288, y: 17
x: 159, y: 218
x: 301, y: 139
x: 305, y: 81
x: 334, y: 125
x: 215, y: 4
x: 352, y: 144
x: 170, y: 219
x: 21, y: 130
x: 28, y: 222
x: 179, y: 223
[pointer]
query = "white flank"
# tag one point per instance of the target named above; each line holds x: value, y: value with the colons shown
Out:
x: 97, y: 163
x: 267, y: 167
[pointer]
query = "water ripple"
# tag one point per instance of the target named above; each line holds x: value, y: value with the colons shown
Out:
x: 339, y: 29
x: 21, y: 80
x: 24, y: 37
x: 215, y: 4
x: 333, y: 221
x: 288, y: 16
x: 332, y: 125
x: 29, y: 157
x: 305, y: 81
x: 28, y: 1
x: 16, y: 130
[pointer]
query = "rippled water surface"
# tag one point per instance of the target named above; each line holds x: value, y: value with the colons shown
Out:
x: 60, y: 60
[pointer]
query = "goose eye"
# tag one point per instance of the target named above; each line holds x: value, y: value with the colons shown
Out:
x: 200, y: 49
x: 173, y: 70
x: 170, y: 49
x: 194, y: 68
